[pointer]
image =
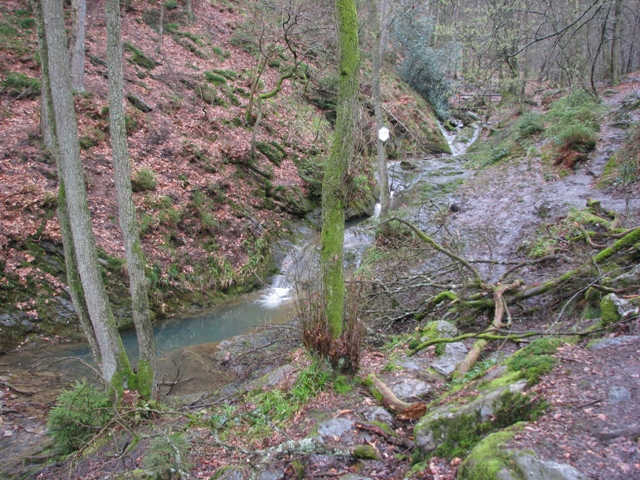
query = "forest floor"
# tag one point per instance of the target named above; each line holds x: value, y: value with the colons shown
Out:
x: 592, y: 423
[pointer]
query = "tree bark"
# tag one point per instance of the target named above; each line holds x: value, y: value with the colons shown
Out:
x: 160, y: 28
x: 78, y: 35
x: 616, y: 44
x: 378, y: 20
x: 138, y: 283
x: 49, y: 134
x: 115, y: 365
x: 334, y: 184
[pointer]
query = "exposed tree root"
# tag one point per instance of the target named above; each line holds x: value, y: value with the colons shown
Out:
x: 402, y: 409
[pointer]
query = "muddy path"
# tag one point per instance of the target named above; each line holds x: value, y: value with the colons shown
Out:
x: 500, y: 208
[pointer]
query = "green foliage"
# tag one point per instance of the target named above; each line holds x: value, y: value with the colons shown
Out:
x: 576, y: 137
x: 530, y: 124
x: 272, y: 150
x: 79, y: 414
x: 143, y: 180
x: 15, y: 28
x: 423, y: 65
x: 228, y: 74
x: 220, y: 53
x: 534, y: 360
x: 215, y: 78
x: 166, y: 456
x: 244, y: 40
x: 140, y: 58
x: 20, y: 85
x: 171, y: 4
x: 209, y: 95
x: 574, y: 121
x: 341, y: 385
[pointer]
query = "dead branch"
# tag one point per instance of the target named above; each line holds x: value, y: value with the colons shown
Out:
x: 402, y: 409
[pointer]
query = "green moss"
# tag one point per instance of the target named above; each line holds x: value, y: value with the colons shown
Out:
x: 215, y: 78
x: 139, y: 58
x: 608, y: 312
x: 272, y: 150
x: 489, y: 457
x: 364, y: 452
x: 534, y: 361
x: 461, y: 434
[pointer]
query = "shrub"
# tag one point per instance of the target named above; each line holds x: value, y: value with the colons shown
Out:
x: 576, y: 137
x: 529, y: 125
x: 578, y: 109
x: 79, y: 414
x: 166, y: 456
x: 20, y: 85
x: 215, y: 78
x: 144, y: 179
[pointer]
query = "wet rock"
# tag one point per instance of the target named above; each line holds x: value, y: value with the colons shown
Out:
x: 618, y: 394
x: 377, y: 414
x: 272, y: 474
x: 442, y: 423
x: 407, y: 165
x: 335, y: 427
x: 533, y: 468
x: 610, y: 342
x: 280, y: 375
x: 490, y: 459
x: 409, y: 388
x: 415, y: 364
x: 454, y: 353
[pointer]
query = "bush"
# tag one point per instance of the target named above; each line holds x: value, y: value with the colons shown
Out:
x: 215, y: 78
x: 574, y: 116
x: 529, y: 125
x: 166, y: 456
x: 144, y: 179
x: 576, y: 137
x: 79, y: 414
x: 20, y: 85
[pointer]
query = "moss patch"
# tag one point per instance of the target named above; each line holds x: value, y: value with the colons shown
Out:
x: 489, y: 457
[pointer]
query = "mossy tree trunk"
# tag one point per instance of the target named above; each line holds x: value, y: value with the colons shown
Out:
x: 114, y: 363
x: 334, y: 184
x: 138, y: 283
x: 49, y: 135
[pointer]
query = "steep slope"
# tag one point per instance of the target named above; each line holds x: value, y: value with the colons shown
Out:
x: 208, y: 209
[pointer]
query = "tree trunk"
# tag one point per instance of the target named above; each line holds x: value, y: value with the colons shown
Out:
x: 616, y: 44
x: 138, y: 284
x: 188, y: 8
x: 49, y: 135
x: 379, y: 25
x: 334, y: 184
x: 115, y: 365
x: 160, y: 28
x: 78, y: 34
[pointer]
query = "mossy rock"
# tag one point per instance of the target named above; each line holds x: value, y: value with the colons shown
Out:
x: 291, y: 200
x: 273, y: 151
x: 364, y: 452
x: 491, y: 459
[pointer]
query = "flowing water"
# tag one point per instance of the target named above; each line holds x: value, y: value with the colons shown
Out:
x: 177, y: 337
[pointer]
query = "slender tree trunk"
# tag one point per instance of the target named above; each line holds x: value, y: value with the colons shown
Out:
x: 77, y: 44
x: 138, y: 284
x: 378, y: 21
x: 49, y: 134
x: 115, y: 365
x: 334, y: 184
x: 160, y: 28
x: 188, y: 7
x: 616, y: 44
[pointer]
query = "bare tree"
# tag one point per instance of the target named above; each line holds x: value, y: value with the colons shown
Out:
x: 138, y: 283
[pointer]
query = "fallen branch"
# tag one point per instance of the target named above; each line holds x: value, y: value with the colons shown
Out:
x: 402, y: 409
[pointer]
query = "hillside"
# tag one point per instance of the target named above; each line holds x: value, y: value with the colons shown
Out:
x: 208, y: 211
